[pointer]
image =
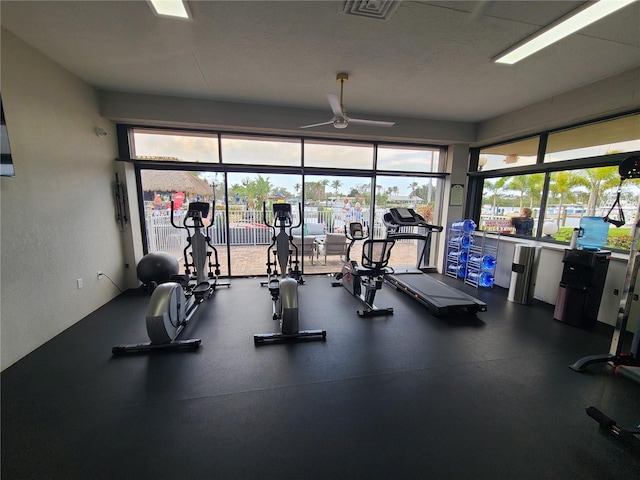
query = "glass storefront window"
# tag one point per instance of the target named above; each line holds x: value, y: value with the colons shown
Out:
x: 603, y: 138
x: 422, y: 194
x: 511, y: 205
x: 254, y: 151
x: 167, y: 146
x: 331, y: 203
x: 334, y: 155
x: 408, y: 159
x: 508, y: 155
x: 159, y: 187
x: 249, y: 233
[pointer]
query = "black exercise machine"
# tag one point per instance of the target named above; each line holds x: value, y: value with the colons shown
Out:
x: 173, y: 304
x: 283, y: 278
x: 437, y: 296
x: 627, y: 437
x: 364, y: 280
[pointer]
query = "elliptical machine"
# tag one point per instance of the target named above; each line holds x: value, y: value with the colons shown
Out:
x: 365, y: 280
x: 283, y: 286
x: 174, y: 303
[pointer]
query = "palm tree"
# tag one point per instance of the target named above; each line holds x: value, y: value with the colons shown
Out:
x: 324, y: 182
x: 598, y: 180
x: 495, y: 187
x: 258, y: 190
x: 296, y: 187
x: 528, y: 186
x: 412, y: 186
x: 562, y: 185
x: 336, y: 184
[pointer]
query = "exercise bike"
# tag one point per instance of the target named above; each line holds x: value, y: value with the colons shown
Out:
x: 363, y: 281
x: 174, y: 303
x: 283, y: 278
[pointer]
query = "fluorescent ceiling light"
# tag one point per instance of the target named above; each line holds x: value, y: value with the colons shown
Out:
x: 170, y: 8
x: 565, y: 26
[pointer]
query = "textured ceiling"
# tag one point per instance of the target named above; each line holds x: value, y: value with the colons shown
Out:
x: 428, y: 60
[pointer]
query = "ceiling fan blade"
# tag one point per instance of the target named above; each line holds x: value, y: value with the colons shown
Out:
x: 371, y: 123
x: 318, y: 124
x: 334, y: 102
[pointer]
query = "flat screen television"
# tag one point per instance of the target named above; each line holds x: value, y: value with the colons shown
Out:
x: 6, y: 165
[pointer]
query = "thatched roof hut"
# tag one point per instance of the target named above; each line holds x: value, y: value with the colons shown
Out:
x: 173, y: 181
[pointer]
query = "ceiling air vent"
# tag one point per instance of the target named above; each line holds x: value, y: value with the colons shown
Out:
x: 380, y: 9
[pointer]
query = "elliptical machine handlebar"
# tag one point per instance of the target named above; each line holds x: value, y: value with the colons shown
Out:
x: 281, y: 211
x: 197, y: 211
x: 356, y: 231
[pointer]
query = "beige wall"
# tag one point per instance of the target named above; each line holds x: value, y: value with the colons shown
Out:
x: 58, y: 211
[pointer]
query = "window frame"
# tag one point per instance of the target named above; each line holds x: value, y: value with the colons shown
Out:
x: 477, y: 177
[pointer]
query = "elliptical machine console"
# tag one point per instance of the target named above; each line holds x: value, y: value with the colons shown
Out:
x: 284, y: 276
x: 363, y: 281
x: 173, y: 304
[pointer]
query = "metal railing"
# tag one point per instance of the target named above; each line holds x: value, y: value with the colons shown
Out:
x: 247, y: 227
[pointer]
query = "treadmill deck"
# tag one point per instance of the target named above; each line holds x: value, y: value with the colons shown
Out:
x: 437, y: 296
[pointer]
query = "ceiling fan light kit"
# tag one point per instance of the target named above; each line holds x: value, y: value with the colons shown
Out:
x: 340, y: 118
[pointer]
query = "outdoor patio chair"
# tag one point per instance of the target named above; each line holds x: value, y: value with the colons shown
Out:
x: 334, y: 244
x: 309, y: 248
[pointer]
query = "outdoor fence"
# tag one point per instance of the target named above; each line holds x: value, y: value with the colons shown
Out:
x: 247, y: 227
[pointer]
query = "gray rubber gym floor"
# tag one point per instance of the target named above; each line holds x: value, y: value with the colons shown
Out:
x: 404, y: 396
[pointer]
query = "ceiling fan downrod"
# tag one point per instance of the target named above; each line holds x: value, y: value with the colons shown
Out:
x: 342, y: 77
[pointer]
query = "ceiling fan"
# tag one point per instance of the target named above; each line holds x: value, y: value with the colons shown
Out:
x: 340, y: 118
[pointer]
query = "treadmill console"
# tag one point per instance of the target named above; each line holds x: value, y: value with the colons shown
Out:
x: 407, y: 217
x: 406, y: 214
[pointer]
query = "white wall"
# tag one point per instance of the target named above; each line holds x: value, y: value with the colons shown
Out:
x: 617, y: 94
x: 58, y: 213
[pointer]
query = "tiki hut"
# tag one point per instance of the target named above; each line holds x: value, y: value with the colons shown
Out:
x: 166, y: 182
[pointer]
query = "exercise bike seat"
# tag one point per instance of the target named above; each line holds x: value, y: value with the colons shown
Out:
x: 372, y: 271
x: 375, y: 257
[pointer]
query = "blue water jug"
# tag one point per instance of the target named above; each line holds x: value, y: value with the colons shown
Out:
x: 465, y: 226
x: 482, y: 262
x: 458, y: 270
x: 460, y: 257
x: 463, y: 241
x: 483, y: 279
x: 593, y: 233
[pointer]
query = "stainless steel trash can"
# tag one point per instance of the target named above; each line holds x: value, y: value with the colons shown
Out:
x: 524, y: 271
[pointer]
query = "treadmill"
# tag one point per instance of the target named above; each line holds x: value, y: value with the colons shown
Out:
x: 437, y: 296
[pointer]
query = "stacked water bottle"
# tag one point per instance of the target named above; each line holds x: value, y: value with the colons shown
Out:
x: 466, y: 260
x: 460, y: 239
x: 480, y: 270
